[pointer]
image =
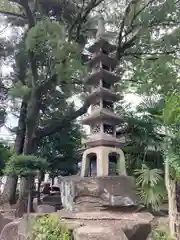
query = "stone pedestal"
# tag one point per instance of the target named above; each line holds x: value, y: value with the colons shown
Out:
x: 90, y: 193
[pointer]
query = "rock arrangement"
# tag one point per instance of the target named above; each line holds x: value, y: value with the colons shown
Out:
x: 102, y: 225
x: 92, y: 216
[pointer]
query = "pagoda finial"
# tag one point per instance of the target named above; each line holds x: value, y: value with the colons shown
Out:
x: 101, y: 28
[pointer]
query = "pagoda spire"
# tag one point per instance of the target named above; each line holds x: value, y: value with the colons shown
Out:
x: 101, y: 28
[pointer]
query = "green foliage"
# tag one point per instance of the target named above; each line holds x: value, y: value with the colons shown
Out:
x: 161, y: 234
x: 2, y: 115
x: 174, y: 165
x: 143, y: 142
x: 171, y: 113
x: 49, y: 227
x: 47, y: 40
x: 154, y: 76
x: 5, y: 153
x: 25, y: 165
x: 61, y: 150
x: 171, y: 121
x: 19, y: 90
x: 6, y: 5
x: 151, y: 186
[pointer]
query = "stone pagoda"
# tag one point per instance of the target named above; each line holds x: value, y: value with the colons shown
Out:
x: 103, y: 148
x: 103, y: 181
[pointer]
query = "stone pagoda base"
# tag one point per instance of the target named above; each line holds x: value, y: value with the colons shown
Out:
x: 94, y: 193
x: 108, y: 225
x: 98, y: 225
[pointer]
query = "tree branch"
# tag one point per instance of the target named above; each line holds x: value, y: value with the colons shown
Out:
x: 120, y: 36
x: 31, y: 22
x: 76, y: 20
x: 29, y: 14
x: 12, y: 14
x: 121, y: 29
x: 155, y: 54
x: 55, y: 127
x: 82, y: 17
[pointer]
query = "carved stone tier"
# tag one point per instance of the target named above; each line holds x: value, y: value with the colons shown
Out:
x: 102, y: 44
x: 102, y: 115
x: 102, y: 139
x: 103, y: 93
x: 88, y: 194
x: 103, y: 59
x: 102, y: 74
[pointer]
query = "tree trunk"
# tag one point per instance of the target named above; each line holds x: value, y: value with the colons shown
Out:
x: 9, y: 193
x: 172, y: 205
x: 22, y: 204
x: 52, y: 180
x: 178, y: 196
x: 172, y: 208
x: 40, y: 178
x: 25, y: 201
x: 39, y: 192
x: 29, y: 148
x: 30, y: 194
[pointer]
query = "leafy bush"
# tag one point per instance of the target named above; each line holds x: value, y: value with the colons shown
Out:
x: 24, y: 165
x: 161, y: 234
x: 49, y: 227
x: 5, y: 153
x: 151, y: 187
x: 174, y: 165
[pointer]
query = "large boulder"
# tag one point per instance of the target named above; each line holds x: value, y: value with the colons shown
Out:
x: 137, y: 231
x: 25, y: 225
x: 97, y: 233
x: 102, y: 225
x: 46, y: 188
x: 10, y: 231
x: 83, y: 194
x: 45, y: 209
x: 53, y: 200
x: 4, y: 220
x: 135, y: 225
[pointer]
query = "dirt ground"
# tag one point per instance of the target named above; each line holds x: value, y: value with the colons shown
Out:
x: 7, y: 210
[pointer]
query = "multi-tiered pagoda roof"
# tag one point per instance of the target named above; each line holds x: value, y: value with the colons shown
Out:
x: 102, y: 119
